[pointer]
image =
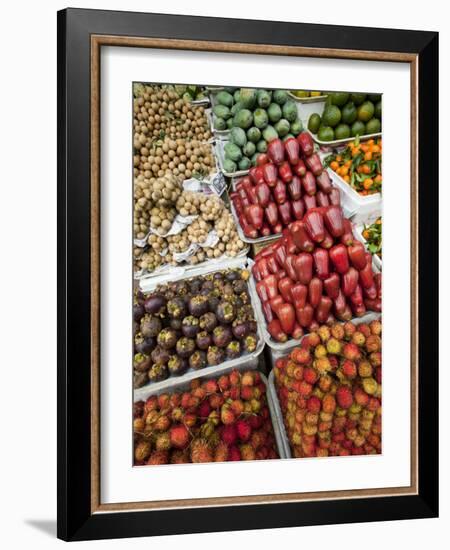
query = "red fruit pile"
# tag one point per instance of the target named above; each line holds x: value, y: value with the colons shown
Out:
x: 286, y: 182
x: 316, y: 273
x: 330, y: 391
x: 217, y: 420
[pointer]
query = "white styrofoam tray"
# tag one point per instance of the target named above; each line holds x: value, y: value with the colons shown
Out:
x: 148, y: 285
x: 182, y: 384
x: 276, y: 355
x: 305, y: 110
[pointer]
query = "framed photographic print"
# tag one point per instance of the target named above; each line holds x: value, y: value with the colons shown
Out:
x: 248, y: 299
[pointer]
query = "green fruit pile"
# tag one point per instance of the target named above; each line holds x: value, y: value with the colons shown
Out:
x: 347, y: 115
x: 254, y: 117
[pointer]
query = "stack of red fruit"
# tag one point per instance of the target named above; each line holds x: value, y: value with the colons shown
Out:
x: 330, y: 391
x: 286, y: 182
x: 316, y: 273
x: 217, y: 420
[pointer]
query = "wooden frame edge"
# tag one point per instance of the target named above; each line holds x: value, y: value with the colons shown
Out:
x: 110, y: 40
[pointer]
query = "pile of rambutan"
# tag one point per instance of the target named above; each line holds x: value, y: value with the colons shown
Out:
x: 218, y: 420
x: 329, y: 390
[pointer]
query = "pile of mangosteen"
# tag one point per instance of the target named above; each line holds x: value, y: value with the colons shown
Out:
x: 192, y: 324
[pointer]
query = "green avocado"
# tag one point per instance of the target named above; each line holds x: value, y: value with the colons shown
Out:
x: 243, y: 119
x: 366, y: 111
x: 349, y: 113
x: 224, y: 98
x: 373, y: 126
x: 247, y: 97
x: 314, y: 123
x: 282, y: 127
x: 289, y: 111
x: 358, y: 128
x: 280, y: 96
x: 238, y: 136
x: 331, y: 116
x: 263, y: 98
x: 244, y: 163
x: 232, y: 152
x: 296, y: 127
x: 326, y: 133
x: 222, y: 111
x: 260, y: 118
x: 261, y: 146
x: 236, y: 108
x: 274, y: 112
x: 269, y: 133
x: 375, y: 98
x: 378, y: 110
x: 358, y: 98
x: 254, y: 134
x: 220, y: 124
x: 342, y: 131
x: 339, y: 98
x: 249, y: 149
x: 229, y: 166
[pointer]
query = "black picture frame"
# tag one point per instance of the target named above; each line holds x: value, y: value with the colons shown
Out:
x: 75, y: 520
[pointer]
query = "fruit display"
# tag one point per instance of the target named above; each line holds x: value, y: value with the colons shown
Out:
x: 347, y: 115
x: 214, y: 420
x: 315, y: 273
x: 330, y: 391
x: 312, y: 275
x: 187, y: 227
x: 192, y: 324
x: 254, y: 118
x: 287, y: 181
x: 373, y: 236
x: 359, y: 165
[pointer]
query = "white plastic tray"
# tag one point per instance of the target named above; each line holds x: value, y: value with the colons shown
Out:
x: 276, y: 355
x: 147, y: 285
x: 182, y: 384
x: 305, y: 110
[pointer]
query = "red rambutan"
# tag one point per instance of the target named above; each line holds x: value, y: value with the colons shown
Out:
x: 234, y: 377
x: 227, y: 416
x: 201, y: 451
x: 351, y: 351
x: 158, y: 457
x: 216, y: 400
x: 349, y: 369
x: 234, y: 454
x: 223, y: 382
x: 313, y: 404
x: 344, y: 397
x: 179, y: 436
x: 243, y: 430
x: 221, y: 452
x: 228, y: 434
x: 247, y: 452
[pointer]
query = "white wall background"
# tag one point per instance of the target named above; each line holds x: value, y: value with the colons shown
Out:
x: 28, y: 271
